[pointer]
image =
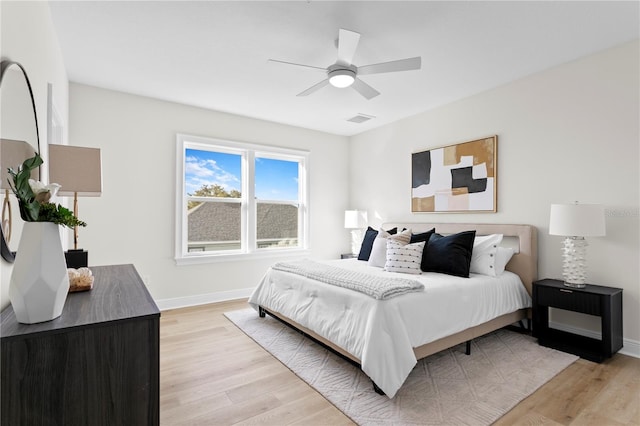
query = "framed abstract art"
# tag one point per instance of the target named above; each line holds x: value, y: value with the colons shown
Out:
x: 456, y: 178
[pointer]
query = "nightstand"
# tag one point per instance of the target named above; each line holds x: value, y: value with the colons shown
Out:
x: 605, y: 302
x: 348, y: 256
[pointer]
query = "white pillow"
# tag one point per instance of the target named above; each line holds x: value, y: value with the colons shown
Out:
x: 503, y: 256
x: 404, y: 258
x: 378, y: 255
x: 483, y: 257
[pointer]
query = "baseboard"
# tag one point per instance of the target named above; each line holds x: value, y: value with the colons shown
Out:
x: 203, y: 299
x: 629, y: 347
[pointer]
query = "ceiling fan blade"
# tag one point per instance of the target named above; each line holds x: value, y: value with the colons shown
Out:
x: 314, y: 88
x: 298, y: 65
x: 393, y: 66
x: 364, y: 89
x: 347, y: 44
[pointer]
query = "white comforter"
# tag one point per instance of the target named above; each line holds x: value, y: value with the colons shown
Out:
x: 383, y: 333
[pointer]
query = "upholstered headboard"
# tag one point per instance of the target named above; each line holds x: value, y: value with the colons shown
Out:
x: 523, y: 238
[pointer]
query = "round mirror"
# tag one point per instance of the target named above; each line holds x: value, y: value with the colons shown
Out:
x: 19, y: 140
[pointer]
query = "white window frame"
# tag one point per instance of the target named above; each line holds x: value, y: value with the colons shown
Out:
x: 248, y: 202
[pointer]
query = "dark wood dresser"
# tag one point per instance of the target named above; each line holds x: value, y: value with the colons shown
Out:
x: 97, y: 364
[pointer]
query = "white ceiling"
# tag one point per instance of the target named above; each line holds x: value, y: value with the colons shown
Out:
x: 213, y: 54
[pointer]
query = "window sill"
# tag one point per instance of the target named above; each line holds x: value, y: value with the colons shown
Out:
x: 231, y: 257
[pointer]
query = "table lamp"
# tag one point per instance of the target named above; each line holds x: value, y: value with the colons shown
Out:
x: 576, y: 221
x: 356, y: 220
x: 79, y: 172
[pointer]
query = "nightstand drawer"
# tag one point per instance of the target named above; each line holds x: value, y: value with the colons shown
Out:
x: 570, y: 300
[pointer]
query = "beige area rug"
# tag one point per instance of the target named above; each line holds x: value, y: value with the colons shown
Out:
x: 447, y: 388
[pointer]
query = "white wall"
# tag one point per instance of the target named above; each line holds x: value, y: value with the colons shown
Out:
x: 569, y: 133
x: 133, y: 221
x: 27, y: 36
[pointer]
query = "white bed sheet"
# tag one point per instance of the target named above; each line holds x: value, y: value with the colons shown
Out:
x: 383, y: 333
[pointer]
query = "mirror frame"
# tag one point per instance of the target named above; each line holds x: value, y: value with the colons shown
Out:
x: 6, y: 253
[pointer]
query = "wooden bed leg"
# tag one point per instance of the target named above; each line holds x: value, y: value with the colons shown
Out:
x: 468, y: 350
x: 261, y: 312
x: 377, y: 389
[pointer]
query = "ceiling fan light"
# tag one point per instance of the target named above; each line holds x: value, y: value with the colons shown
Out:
x: 342, y: 78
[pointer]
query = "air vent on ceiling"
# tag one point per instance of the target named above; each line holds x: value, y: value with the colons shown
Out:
x: 361, y: 118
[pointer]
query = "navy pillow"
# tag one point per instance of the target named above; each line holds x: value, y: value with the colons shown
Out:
x: 367, y: 242
x: 423, y: 236
x: 449, y: 254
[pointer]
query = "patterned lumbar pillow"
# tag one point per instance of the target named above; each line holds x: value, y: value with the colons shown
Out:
x: 404, y: 258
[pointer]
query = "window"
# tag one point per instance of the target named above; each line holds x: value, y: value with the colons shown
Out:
x: 237, y: 199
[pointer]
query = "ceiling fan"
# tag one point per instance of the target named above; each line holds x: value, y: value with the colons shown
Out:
x: 344, y: 74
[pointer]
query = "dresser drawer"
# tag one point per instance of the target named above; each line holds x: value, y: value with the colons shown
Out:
x: 569, y: 299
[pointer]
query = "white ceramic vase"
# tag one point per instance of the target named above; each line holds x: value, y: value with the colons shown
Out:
x: 39, y: 281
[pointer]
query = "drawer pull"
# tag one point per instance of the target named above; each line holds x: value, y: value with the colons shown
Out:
x: 566, y: 291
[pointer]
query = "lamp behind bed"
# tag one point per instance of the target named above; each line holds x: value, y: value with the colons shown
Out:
x: 356, y: 220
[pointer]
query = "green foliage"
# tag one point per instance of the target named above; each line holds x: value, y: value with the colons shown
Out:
x: 50, y: 212
x: 32, y: 210
x: 214, y: 190
x: 29, y: 207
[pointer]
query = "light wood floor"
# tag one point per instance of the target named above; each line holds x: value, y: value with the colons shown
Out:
x: 211, y: 373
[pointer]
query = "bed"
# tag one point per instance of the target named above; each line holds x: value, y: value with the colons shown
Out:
x: 387, y: 337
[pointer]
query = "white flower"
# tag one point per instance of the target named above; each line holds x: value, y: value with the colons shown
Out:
x: 43, y: 192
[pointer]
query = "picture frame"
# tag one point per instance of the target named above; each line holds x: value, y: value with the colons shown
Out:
x: 459, y: 178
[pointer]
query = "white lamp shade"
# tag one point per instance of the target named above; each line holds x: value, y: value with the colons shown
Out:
x: 355, y: 219
x: 577, y: 220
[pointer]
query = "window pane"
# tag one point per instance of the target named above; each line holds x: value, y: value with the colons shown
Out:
x: 276, y: 179
x: 238, y: 199
x: 277, y: 225
x: 214, y: 226
x: 212, y: 174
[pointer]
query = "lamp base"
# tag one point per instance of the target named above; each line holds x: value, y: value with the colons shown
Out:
x: 574, y: 263
x: 356, y: 241
x: 77, y: 258
x: 575, y: 285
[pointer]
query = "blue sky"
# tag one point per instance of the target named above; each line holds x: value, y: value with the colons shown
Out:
x: 275, y: 179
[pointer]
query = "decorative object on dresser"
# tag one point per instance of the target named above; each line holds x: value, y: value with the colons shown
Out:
x: 456, y: 178
x: 79, y: 171
x: 576, y: 221
x: 80, y: 279
x: 97, y: 364
x: 39, y: 281
x: 605, y: 302
x: 356, y: 220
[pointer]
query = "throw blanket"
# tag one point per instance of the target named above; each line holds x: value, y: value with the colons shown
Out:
x: 377, y: 287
